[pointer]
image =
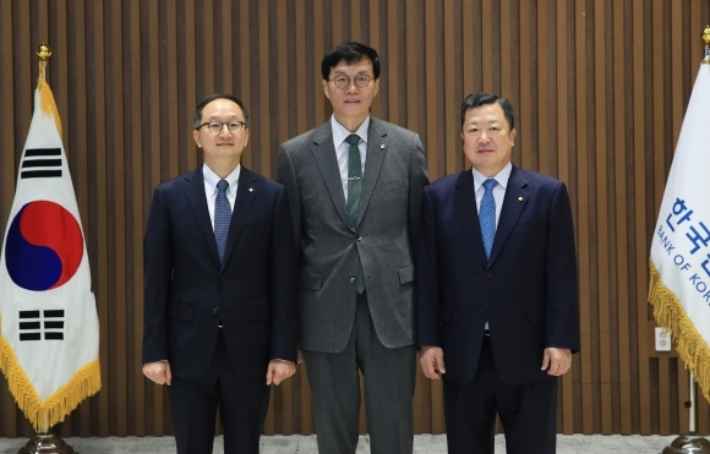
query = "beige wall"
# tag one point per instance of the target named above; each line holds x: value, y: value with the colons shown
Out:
x: 600, y: 88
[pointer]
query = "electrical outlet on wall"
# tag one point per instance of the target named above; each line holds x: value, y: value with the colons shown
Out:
x: 663, y: 340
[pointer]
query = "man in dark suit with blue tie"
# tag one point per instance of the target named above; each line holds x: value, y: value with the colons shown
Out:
x: 220, y: 286
x: 497, y: 295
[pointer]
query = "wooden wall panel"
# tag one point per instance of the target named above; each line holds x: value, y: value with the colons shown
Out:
x: 599, y: 86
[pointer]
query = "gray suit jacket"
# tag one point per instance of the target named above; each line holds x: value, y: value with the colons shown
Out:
x: 393, y: 181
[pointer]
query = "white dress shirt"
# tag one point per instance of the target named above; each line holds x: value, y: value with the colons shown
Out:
x: 502, y: 178
x: 211, y: 180
x: 342, y: 148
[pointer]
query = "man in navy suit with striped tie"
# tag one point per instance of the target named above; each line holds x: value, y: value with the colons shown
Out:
x: 220, y: 287
x: 497, y: 298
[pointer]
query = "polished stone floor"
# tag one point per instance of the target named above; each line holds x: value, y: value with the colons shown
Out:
x: 298, y: 444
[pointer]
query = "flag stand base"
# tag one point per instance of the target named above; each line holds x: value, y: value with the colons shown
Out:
x: 688, y: 444
x: 48, y: 443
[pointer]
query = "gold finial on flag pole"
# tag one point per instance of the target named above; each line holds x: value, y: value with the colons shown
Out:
x: 44, y: 52
x: 706, y: 39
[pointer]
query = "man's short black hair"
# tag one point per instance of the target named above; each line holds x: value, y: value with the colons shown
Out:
x: 482, y: 99
x: 214, y: 97
x: 349, y: 53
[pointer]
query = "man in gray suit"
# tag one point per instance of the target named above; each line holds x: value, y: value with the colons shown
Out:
x: 355, y: 186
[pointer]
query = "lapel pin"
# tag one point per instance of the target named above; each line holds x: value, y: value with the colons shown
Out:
x: 252, y: 190
x: 520, y: 199
x: 382, y: 146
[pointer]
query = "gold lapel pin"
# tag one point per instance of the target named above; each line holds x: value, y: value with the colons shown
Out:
x: 382, y: 146
x: 252, y: 190
x: 520, y: 199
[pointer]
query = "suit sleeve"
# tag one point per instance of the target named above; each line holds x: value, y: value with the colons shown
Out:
x: 158, y: 266
x: 284, y: 291
x: 418, y: 178
x: 562, y: 314
x: 286, y: 175
x: 427, y: 278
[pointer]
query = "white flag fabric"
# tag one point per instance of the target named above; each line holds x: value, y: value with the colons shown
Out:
x: 680, y: 248
x: 49, y: 330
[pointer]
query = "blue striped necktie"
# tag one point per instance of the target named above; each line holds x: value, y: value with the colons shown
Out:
x: 487, y: 216
x: 222, y: 216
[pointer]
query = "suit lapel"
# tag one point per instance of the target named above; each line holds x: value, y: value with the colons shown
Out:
x: 376, y: 150
x: 196, y: 198
x: 467, y: 211
x: 324, y: 153
x: 514, y: 202
x: 246, y: 194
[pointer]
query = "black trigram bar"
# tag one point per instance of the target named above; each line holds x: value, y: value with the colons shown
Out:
x: 30, y: 336
x: 53, y: 325
x: 53, y: 336
x: 32, y: 152
x: 29, y: 314
x: 40, y: 174
x: 56, y: 313
x: 41, y: 163
x: 30, y: 325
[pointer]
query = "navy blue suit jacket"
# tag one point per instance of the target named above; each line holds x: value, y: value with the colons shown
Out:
x: 187, y: 290
x: 527, y: 291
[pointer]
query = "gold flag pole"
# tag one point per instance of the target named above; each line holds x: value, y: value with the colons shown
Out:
x: 45, y: 442
x: 691, y: 443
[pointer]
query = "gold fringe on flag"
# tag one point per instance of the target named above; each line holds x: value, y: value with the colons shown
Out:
x: 49, y: 107
x: 45, y: 414
x: 669, y: 313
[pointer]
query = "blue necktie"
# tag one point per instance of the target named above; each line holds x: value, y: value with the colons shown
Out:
x: 222, y: 216
x: 487, y: 216
x: 354, y: 189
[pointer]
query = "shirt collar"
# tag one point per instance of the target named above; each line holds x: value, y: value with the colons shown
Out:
x: 340, y: 133
x: 501, y: 177
x: 211, y: 178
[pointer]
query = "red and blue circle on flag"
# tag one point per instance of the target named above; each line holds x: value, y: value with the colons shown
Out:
x: 44, y: 246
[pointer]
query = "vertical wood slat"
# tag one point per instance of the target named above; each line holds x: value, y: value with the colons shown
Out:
x: 122, y: 71
x: 133, y: 97
x: 8, y: 421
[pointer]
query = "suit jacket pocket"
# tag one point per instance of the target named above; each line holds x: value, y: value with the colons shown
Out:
x: 258, y: 310
x: 311, y: 281
x: 406, y: 275
x: 388, y: 185
x: 181, y: 312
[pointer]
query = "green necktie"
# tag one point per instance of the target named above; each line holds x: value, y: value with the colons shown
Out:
x: 354, y: 189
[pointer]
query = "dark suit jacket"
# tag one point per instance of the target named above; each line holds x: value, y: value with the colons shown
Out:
x: 527, y: 291
x: 187, y: 290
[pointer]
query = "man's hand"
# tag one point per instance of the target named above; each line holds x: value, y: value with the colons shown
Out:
x: 431, y: 360
x: 278, y: 371
x: 158, y: 372
x: 556, y: 361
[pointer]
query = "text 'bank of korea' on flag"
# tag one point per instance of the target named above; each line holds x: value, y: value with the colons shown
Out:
x: 49, y: 330
x: 680, y: 248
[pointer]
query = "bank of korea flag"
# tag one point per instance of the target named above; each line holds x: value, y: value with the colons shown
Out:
x: 49, y: 338
x: 680, y: 248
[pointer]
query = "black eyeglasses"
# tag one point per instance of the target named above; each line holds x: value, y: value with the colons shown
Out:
x: 344, y: 81
x: 216, y: 126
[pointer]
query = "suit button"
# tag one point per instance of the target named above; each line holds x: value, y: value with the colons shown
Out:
x: 215, y: 310
x: 358, y: 238
x: 352, y: 280
x: 482, y: 312
x: 489, y: 275
x: 223, y: 279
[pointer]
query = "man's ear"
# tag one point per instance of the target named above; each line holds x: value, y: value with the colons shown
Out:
x: 196, y: 136
x: 326, y: 89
